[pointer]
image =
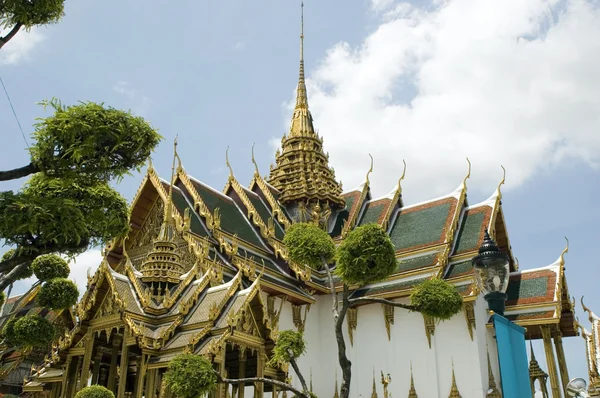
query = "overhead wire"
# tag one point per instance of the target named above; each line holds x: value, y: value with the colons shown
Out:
x: 13, y: 111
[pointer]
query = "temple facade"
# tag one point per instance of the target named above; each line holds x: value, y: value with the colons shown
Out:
x: 205, y: 271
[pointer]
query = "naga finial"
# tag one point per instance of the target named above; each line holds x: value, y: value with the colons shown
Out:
x: 498, y: 192
x: 254, y: 161
x: 370, y: 169
x: 586, y: 309
x: 464, y: 183
x: 227, y: 162
x: 565, y: 251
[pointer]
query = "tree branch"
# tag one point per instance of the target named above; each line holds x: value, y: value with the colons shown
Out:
x: 16, y: 260
x: 283, y: 386
x: 18, y: 172
x: 10, y: 277
x: 297, y: 370
x: 366, y: 300
x: 336, y: 313
x: 10, y: 35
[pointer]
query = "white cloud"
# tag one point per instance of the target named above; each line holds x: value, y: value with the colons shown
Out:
x: 239, y: 46
x: 19, y: 48
x: 140, y: 104
x: 511, y: 82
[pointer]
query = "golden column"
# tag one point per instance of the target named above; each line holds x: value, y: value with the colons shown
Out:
x: 123, y: 368
x: 551, y: 361
x: 87, y: 359
x: 562, y: 362
x: 96, y: 368
x: 242, y: 372
x: 65, y: 378
x: 112, y: 373
x: 260, y: 371
x: 141, y: 374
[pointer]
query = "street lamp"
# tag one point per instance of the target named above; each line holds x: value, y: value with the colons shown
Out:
x: 492, y: 274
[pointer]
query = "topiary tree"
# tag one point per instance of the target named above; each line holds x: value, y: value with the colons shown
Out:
x: 193, y: 376
x: 31, y: 331
x: 95, y: 391
x: 68, y: 204
x: 58, y: 294
x: 15, y: 14
x: 50, y: 266
x: 365, y: 256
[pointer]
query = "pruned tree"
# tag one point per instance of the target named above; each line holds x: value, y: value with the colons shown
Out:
x: 17, y: 14
x: 67, y: 205
x: 193, y: 376
x: 365, y: 256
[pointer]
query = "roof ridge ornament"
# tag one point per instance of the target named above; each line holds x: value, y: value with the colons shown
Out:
x: 256, y: 172
x: 370, y: 171
x: 464, y: 183
x: 561, y: 259
x: 228, y: 164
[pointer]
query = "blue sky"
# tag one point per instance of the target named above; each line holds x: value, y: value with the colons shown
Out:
x: 512, y: 83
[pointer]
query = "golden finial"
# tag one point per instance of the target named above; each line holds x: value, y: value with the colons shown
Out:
x: 565, y: 251
x: 586, y: 309
x: 492, y: 388
x: 150, y: 165
x: 311, y: 384
x: 412, y: 393
x: 254, y: 161
x: 169, y: 208
x: 227, y: 162
x: 498, y: 192
x: 336, y: 394
x: 374, y: 393
x: 302, y: 31
x: 464, y: 183
x: 454, y: 393
x: 370, y: 169
x: 403, y: 171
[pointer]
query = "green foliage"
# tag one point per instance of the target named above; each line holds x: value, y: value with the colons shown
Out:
x: 8, y: 332
x: 95, y: 391
x: 30, y: 12
x: 308, y: 244
x: 290, y: 345
x: 437, y: 298
x: 9, y: 253
x: 366, y: 255
x: 89, y: 140
x: 2, y: 298
x: 30, y: 331
x: 58, y: 294
x: 9, y: 396
x: 62, y: 214
x: 190, y: 376
x: 50, y: 266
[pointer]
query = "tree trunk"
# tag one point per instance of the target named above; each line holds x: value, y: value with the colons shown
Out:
x: 11, y: 276
x: 10, y: 35
x: 297, y: 370
x: 345, y: 363
x: 281, y: 385
x: 18, y: 172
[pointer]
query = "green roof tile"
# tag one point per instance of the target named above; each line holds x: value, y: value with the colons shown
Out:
x: 232, y: 219
x: 469, y: 232
x: 264, y: 213
x: 372, y: 213
x: 339, y: 223
x: 519, y: 289
x: 460, y: 268
x: 419, y: 227
x: 181, y: 204
x: 389, y: 287
x: 414, y: 263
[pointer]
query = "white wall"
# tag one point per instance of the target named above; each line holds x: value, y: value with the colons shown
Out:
x: 432, y: 367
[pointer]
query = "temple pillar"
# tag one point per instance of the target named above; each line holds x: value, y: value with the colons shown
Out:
x: 242, y: 372
x: 260, y: 371
x: 112, y: 372
x: 96, y: 369
x: 141, y: 373
x: 562, y: 362
x: 65, y: 378
x: 551, y: 361
x: 123, y: 367
x: 103, y: 381
x: 150, y: 391
x: 72, y: 377
x: 87, y: 359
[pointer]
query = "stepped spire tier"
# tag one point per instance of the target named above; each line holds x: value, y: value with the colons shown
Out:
x: 302, y: 172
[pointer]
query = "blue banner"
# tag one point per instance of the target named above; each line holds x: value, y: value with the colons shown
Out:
x: 512, y: 356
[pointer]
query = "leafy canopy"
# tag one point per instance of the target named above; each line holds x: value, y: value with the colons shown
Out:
x: 437, y: 298
x: 91, y: 141
x: 30, y: 12
x: 366, y: 255
x: 190, y: 376
x: 308, y: 244
x: 95, y: 391
x: 290, y: 345
x: 58, y: 294
x: 61, y: 214
x: 50, y: 266
x: 30, y: 331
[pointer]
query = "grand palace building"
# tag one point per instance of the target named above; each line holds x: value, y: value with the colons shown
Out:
x: 205, y: 271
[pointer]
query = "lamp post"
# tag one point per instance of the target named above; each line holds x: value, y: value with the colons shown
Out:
x: 492, y: 274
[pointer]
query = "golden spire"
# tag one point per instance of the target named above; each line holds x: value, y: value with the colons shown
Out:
x: 302, y: 171
x: 374, y: 393
x: 454, y: 393
x: 412, y: 393
x: 311, y: 384
x: 335, y: 394
x: 535, y: 371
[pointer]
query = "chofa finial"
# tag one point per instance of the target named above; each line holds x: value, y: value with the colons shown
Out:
x: 464, y: 183
x: 370, y: 169
x: 227, y: 162
x: 254, y: 161
x: 565, y: 251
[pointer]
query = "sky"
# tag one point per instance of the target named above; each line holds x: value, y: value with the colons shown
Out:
x: 512, y: 83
